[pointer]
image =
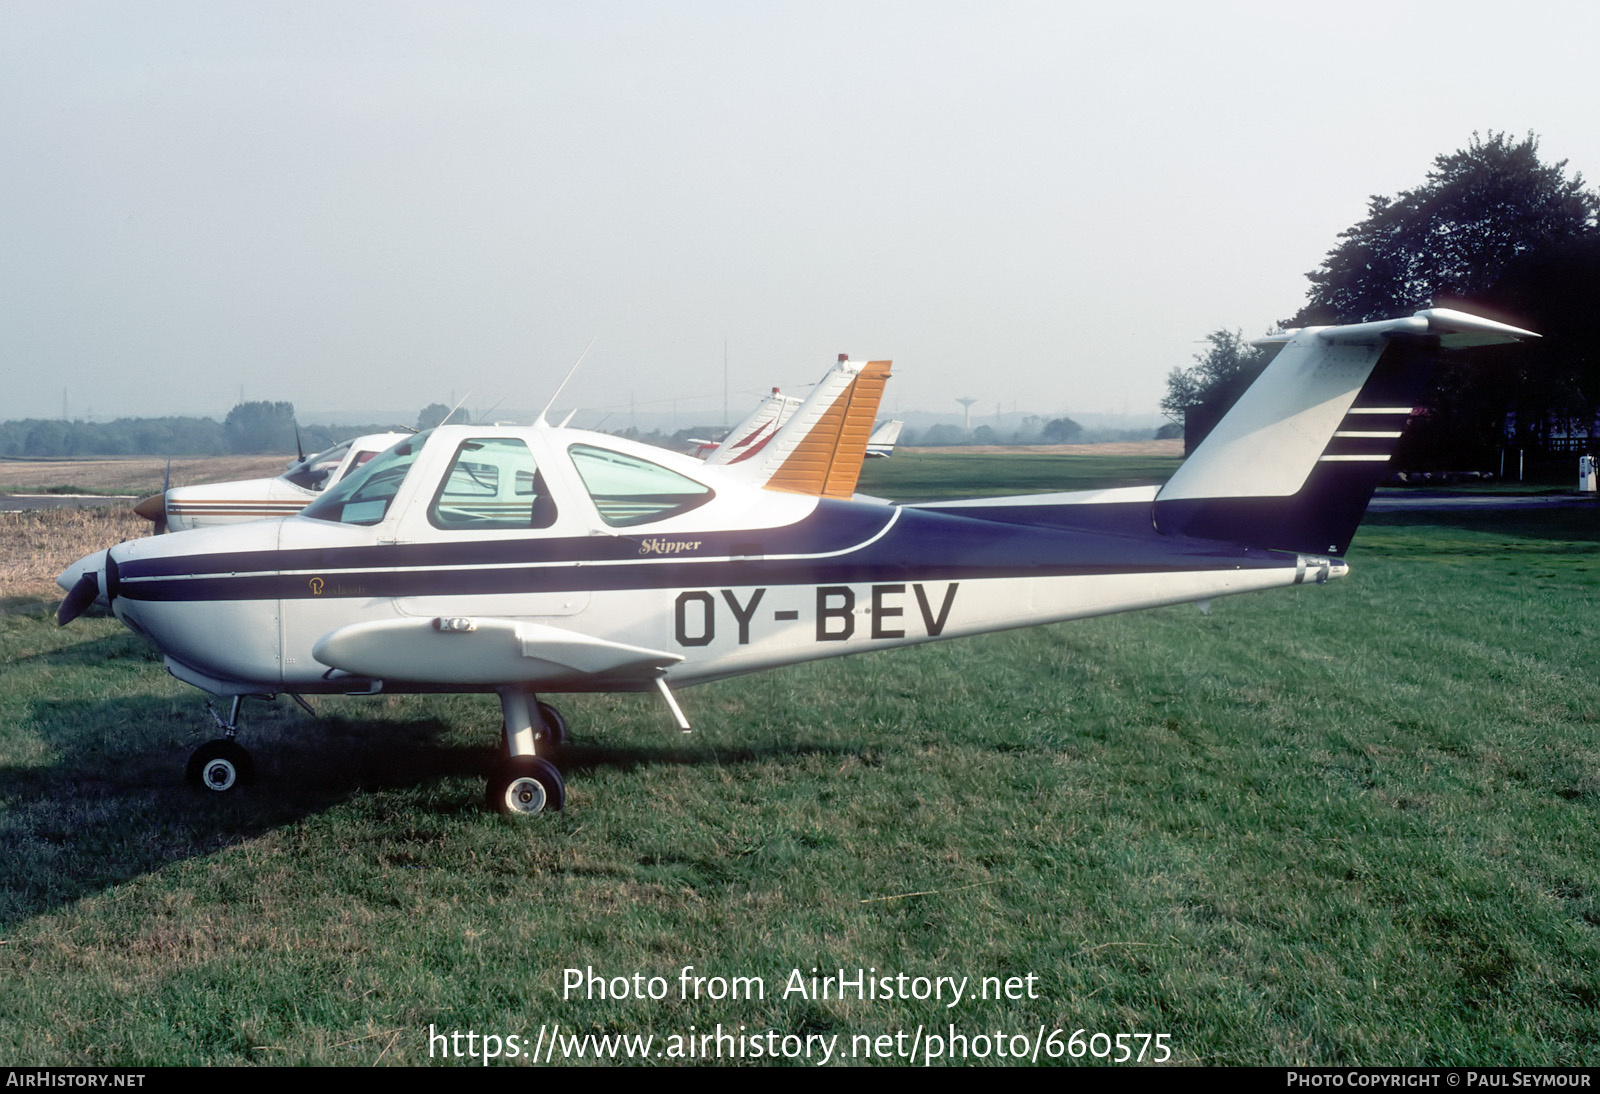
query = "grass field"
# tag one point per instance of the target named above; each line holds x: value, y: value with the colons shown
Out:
x: 1354, y: 824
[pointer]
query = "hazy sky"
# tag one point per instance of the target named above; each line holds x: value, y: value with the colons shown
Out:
x: 353, y: 205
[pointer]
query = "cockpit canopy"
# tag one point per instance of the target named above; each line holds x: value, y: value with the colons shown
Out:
x: 493, y: 481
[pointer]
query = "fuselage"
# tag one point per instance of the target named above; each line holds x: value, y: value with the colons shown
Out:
x: 628, y: 544
x: 188, y: 507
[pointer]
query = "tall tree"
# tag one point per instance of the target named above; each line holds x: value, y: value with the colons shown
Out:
x: 1454, y: 237
x: 1492, y: 229
x: 1201, y: 394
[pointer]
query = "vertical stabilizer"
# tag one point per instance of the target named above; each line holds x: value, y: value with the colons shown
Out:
x: 881, y: 444
x: 746, y: 440
x: 820, y: 450
x: 1294, y: 463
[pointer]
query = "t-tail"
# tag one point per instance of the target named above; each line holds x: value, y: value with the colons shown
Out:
x: 1293, y: 465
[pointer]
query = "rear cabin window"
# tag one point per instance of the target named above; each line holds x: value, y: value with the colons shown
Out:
x: 492, y: 483
x: 628, y: 491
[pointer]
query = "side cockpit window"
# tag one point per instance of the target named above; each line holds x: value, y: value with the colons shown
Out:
x: 493, y: 482
x: 628, y: 491
x: 364, y: 496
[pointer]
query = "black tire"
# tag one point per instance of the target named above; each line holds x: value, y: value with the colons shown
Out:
x: 557, y: 723
x: 219, y: 766
x: 522, y: 786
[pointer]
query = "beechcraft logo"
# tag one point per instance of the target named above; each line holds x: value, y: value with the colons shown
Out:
x: 316, y: 586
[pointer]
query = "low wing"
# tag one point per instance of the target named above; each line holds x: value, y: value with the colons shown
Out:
x: 488, y: 650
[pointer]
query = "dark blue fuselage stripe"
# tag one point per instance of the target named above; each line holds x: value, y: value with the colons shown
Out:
x: 923, y: 546
x: 511, y: 582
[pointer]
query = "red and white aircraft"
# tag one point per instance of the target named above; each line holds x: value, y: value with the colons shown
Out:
x: 747, y: 440
x: 523, y: 561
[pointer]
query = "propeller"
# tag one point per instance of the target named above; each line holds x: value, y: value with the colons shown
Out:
x: 79, y: 597
x: 154, y: 507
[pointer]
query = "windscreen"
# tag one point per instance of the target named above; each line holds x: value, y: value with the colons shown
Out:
x: 364, y: 496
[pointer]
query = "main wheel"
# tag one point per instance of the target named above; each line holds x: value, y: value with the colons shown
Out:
x: 554, y: 732
x: 220, y: 765
x: 524, y: 785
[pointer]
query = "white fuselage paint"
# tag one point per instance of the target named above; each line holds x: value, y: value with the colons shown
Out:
x: 717, y: 621
x: 719, y: 630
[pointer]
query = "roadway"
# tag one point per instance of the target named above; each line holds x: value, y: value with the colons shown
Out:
x: 16, y: 503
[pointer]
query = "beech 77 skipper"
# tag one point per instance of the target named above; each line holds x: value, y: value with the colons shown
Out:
x: 532, y: 560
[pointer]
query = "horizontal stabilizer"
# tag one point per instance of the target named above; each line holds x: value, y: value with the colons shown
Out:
x: 486, y: 651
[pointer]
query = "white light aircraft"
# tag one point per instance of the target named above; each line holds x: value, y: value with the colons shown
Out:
x: 880, y: 446
x: 180, y: 508
x: 525, y: 561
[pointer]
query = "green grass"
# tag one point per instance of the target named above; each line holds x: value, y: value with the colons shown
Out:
x: 924, y: 475
x: 1355, y: 824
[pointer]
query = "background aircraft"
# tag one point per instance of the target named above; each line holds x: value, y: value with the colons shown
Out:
x: 758, y: 427
x: 180, y: 508
x: 880, y: 446
x: 540, y: 559
x: 750, y: 437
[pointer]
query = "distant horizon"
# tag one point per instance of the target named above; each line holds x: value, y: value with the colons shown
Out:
x: 648, y: 420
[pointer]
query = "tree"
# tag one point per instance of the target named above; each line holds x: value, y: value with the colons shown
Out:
x: 943, y: 434
x: 1061, y: 431
x: 1200, y: 395
x: 260, y: 427
x: 1552, y: 291
x: 437, y: 414
x: 1455, y: 236
x: 1491, y: 229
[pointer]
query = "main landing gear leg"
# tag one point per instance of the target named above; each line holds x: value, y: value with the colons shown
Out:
x: 221, y: 764
x: 524, y: 783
